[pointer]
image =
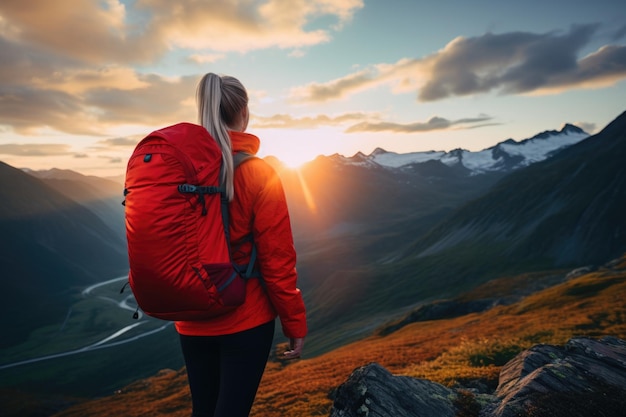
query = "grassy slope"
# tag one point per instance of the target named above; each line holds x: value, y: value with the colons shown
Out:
x: 467, y: 348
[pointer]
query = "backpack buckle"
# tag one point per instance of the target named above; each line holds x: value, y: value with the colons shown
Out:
x: 187, y: 188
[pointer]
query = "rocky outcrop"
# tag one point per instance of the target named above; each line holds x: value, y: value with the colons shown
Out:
x: 439, y: 310
x: 374, y: 392
x: 584, y: 378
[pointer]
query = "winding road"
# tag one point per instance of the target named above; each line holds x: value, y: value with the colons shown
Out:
x: 108, y: 341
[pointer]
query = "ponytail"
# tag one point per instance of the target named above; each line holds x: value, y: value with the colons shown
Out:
x: 220, y: 102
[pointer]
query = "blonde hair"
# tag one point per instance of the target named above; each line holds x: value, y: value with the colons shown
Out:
x: 221, y: 100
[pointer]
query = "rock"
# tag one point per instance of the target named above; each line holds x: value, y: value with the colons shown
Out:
x: 438, y: 310
x: 584, y: 378
x: 373, y: 391
x: 565, y: 380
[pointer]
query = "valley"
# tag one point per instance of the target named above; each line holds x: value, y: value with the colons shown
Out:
x: 77, y: 317
x: 97, y: 337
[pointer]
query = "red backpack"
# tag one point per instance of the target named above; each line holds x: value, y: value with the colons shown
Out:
x: 177, y: 227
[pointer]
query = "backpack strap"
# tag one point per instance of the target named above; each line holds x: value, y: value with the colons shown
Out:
x: 250, y: 270
x: 240, y: 157
x: 200, y: 191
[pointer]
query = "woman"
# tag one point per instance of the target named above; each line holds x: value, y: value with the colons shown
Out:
x: 226, y: 356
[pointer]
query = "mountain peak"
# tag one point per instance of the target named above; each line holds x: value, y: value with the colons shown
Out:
x: 56, y: 173
x: 378, y: 151
x: 570, y: 128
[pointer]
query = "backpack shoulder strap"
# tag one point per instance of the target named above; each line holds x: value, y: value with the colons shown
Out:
x: 249, y: 270
x: 241, y: 157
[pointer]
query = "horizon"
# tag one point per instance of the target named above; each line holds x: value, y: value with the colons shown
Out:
x: 323, y: 77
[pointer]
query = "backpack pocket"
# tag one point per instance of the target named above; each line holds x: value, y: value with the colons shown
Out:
x: 230, y: 285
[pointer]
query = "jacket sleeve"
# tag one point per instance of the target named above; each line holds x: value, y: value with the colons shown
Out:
x: 276, y: 252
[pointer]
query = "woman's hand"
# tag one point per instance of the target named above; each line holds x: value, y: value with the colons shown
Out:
x: 295, y: 348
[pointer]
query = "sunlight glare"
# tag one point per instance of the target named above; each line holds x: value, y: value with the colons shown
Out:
x: 296, y: 147
x: 308, y: 197
x: 294, y: 159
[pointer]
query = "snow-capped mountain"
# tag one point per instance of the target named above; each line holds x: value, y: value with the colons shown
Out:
x: 504, y: 157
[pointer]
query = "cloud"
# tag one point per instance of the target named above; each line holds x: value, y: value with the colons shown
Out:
x: 76, y: 81
x: 587, y: 127
x: 400, y: 75
x: 68, y: 66
x: 619, y: 33
x: 285, y: 121
x: 366, y: 122
x: 435, y: 123
x: 205, y: 58
x: 34, y: 149
x: 154, y: 101
x: 244, y: 26
x: 509, y: 63
x: 118, y: 142
x: 335, y: 89
x: 520, y: 62
x: 101, y: 32
x: 163, y: 101
x: 82, y: 30
x: 26, y: 109
x: 39, y: 89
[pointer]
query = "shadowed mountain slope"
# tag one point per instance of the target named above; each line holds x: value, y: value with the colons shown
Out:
x: 101, y: 196
x: 49, y: 245
x: 562, y: 211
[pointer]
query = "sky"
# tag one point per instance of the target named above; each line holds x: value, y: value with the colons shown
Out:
x: 82, y: 81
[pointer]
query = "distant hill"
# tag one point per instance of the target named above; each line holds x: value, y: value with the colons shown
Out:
x: 101, y: 196
x: 49, y: 246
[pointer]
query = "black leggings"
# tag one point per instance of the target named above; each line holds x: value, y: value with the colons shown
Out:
x: 224, y: 372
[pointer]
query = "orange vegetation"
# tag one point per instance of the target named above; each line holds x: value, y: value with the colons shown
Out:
x: 471, y: 347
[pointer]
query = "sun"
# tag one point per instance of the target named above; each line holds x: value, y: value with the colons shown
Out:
x: 292, y: 148
x: 296, y: 147
x: 294, y: 160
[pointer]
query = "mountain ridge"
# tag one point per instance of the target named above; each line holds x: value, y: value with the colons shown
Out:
x: 505, y: 156
x: 102, y: 196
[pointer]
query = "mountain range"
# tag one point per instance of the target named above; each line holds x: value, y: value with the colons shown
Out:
x: 397, y: 230
x: 506, y: 156
x: 377, y: 235
x: 337, y: 194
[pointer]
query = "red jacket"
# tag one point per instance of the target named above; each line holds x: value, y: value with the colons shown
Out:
x: 259, y: 206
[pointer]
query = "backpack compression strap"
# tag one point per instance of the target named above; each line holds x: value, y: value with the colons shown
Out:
x: 201, y: 191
